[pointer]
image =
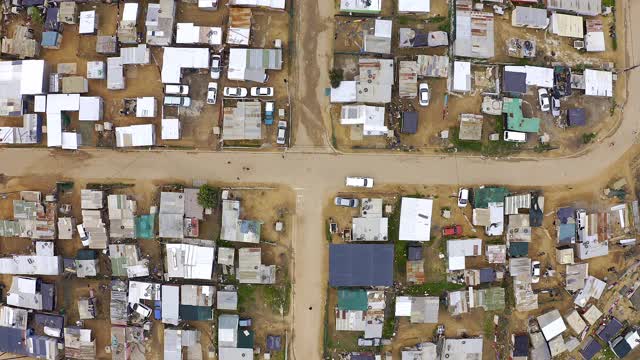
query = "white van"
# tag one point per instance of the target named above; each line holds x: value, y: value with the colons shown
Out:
x: 84, y: 238
x: 515, y: 136
x: 176, y: 89
x: 359, y: 182
x: 177, y: 101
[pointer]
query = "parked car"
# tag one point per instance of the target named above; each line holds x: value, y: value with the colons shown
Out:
x: 346, y: 202
x: 463, y: 197
x: 143, y: 310
x: 555, y: 106
x: 282, y: 132
x: 179, y: 89
x: 268, y: 112
x: 84, y: 237
x: 245, y: 322
x: 452, y: 230
x: 543, y: 99
x: 535, y: 271
x: 177, y: 101
x: 261, y: 91
x: 515, y: 136
x: 212, y: 93
x: 157, y: 309
x: 359, y: 181
x: 236, y: 92
x: 424, y: 94
x: 216, y: 66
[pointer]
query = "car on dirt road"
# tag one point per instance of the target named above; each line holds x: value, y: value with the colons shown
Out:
x: 143, y: 310
x: 543, y: 99
x: 355, y: 181
x: 535, y: 271
x: 463, y: 197
x: 453, y: 230
x: 346, y: 202
x: 424, y: 94
x: 235, y: 92
x: 281, y: 139
x: 177, y: 89
x: 261, y: 91
x: 212, y: 93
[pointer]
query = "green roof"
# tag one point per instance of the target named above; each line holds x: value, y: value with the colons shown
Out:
x: 492, y: 299
x: 518, y: 249
x: 119, y: 266
x: 195, y: 313
x: 352, y: 299
x: 245, y: 341
x: 145, y: 226
x: 483, y: 196
x: 516, y: 121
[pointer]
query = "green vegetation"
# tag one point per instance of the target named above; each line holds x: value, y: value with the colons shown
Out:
x: 433, y: 289
x: 488, y: 327
x: 329, y: 235
x: 224, y: 243
x: 612, y: 109
x: 588, y: 137
x: 277, y: 355
x: 402, y: 20
x: 35, y: 15
x: 335, y: 77
x: 438, y: 19
x: 278, y: 297
x: 400, y: 247
x: 208, y: 196
x: 246, y: 296
x: 509, y: 295
x: 608, y: 2
x: 446, y: 27
x: 606, y: 353
x: 540, y: 148
x: 389, y: 320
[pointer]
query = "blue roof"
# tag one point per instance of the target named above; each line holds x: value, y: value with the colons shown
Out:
x: 12, y: 340
x: 195, y: 313
x: 360, y: 265
x: 610, y: 330
x: 414, y: 253
x: 521, y: 345
x: 622, y: 348
x: 39, y: 345
x: 48, y: 292
x: 487, y: 275
x: 274, y: 342
x: 514, y: 82
x: 518, y: 249
x: 50, y: 38
x: 566, y: 234
x: 362, y: 356
x: 50, y: 320
x: 564, y: 214
x: 591, y: 349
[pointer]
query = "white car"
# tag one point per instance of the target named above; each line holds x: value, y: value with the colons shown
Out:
x: 555, y: 106
x: 463, y: 197
x: 346, y: 202
x: 177, y: 101
x: 235, y: 92
x: 143, y: 310
x: 359, y: 182
x: 543, y: 99
x: 424, y: 94
x: 535, y: 272
x: 212, y: 93
x: 84, y: 237
x: 282, y: 132
x: 261, y: 91
x: 216, y: 66
x: 179, y: 89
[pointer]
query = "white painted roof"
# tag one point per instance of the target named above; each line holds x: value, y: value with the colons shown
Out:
x: 598, y: 83
x: 87, y: 22
x: 170, y: 129
x: 462, y: 76
x: 70, y: 140
x: 170, y: 304
x: 145, y: 107
x: 551, y: 324
x: 415, y: 219
x: 403, y: 306
x: 345, y: 93
x: 175, y: 59
x: 90, y: 108
x: 414, y: 6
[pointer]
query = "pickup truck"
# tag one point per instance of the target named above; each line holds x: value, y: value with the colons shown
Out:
x: 268, y: 113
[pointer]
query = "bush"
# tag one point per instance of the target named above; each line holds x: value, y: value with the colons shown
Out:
x: 35, y: 15
x: 588, y: 137
x: 335, y: 77
x: 208, y: 196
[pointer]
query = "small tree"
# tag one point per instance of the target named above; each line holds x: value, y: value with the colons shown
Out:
x: 208, y: 196
x: 335, y: 77
x: 35, y: 15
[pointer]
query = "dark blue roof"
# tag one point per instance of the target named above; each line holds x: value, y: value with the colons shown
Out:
x: 610, y: 330
x: 51, y: 19
x: 515, y: 82
x: 274, y: 342
x: 360, y: 265
x: 521, y: 345
x: 564, y: 214
x: 39, y: 345
x: 487, y: 275
x: 621, y: 348
x: 86, y: 254
x: 195, y: 313
x: 12, y: 341
x: 49, y: 320
x: 48, y: 296
x: 414, y: 253
x: 409, y: 122
x: 576, y: 117
x: 590, y: 349
x: 362, y: 356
